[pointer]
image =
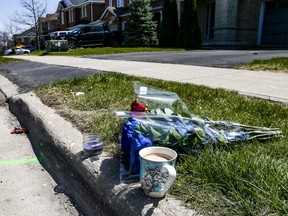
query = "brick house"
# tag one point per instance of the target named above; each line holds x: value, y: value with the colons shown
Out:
x: 243, y: 22
x: 49, y: 23
x: 223, y: 22
x: 25, y: 38
x: 75, y: 12
x: 115, y: 14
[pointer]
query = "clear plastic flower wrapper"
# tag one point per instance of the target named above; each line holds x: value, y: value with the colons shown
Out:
x: 168, y: 122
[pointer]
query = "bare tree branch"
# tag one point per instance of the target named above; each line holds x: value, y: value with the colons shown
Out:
x: 6, y: 37
x: 30, y: 16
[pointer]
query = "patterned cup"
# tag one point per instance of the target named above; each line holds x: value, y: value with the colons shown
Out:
x: 157, y: 172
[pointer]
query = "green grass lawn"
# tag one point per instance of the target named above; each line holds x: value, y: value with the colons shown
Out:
x: 8, y: 60
x: 244, y: 179
x: 275, y: 64
x: 105, y: 50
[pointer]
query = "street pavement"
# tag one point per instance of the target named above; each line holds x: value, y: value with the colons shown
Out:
x: 267, y: 85
x: 26, y: 188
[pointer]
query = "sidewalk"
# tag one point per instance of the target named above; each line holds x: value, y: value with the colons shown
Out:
x: 95, y: 181
x: 267, y: 85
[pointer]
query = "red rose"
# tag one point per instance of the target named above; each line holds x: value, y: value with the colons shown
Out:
x: 138, y: 106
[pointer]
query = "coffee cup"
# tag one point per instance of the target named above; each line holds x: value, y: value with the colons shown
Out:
x: 157, y: 170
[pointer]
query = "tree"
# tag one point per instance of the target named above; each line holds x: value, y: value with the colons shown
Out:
x: 6, y: 37
x: 5, y: 40
x: 30, y: 16
x: 169, y: 25
x: 140, y: 28
x: 189, y: 32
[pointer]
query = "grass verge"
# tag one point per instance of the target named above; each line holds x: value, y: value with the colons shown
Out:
x: 274, y: 64
x: 105, y: 51
x: 245, y: 179
x: 8, y: 60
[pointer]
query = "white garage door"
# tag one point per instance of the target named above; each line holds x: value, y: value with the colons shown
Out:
x: 275, y: 26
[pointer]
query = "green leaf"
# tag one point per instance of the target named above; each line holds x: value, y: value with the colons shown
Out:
x: 221, y: 138
x: 168, y: 111
x: 200, y: 133
x: 195, y: 140
x: 154, y: 132
x: 159, y: 111
x: 175, y: 134
x: 161, y: 130
x: 143, y: 129
x: 166, y: 139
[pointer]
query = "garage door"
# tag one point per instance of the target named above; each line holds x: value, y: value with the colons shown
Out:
x: 275, y: 26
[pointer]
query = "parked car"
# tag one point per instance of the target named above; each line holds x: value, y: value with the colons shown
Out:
x: 88, y: 35
x: 55, y: 34
x: 18, y: 51
x: 30, y: 47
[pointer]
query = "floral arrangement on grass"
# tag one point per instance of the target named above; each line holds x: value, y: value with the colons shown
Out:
x: 161, y: 118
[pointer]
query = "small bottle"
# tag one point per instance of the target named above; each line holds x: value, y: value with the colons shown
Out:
x: 92, y: 144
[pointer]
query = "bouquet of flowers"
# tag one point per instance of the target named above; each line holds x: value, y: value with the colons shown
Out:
x: 161, y: 118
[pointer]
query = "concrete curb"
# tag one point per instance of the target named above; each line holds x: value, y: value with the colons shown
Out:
x: 93, y: 183
x: 7, y: 88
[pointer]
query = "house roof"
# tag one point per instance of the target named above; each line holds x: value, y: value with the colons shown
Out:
x: 76, y: 2
x: 156, y: 5
x: 71, y: 3
x: 117, y: 12
x: 49, y: 17
x: 108, y: 10
x: 28, y: 33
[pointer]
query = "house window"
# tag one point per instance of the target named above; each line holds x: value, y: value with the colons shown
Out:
x: 84, y: 11
x: 48, y: 26
x: 62, y: 18
x: 123, y: 26
x: 120, y: 3
x: 71, y: 16
x: 113, y: 27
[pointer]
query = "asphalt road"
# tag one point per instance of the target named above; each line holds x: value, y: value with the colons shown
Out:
x: 209, y: 58
x: 26, y: 188
x: 29, y: 75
